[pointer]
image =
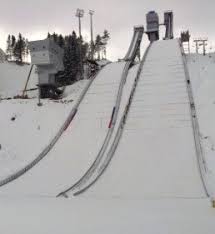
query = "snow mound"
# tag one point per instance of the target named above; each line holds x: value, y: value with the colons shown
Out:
x: 72, y: 90
x: 103, y: 62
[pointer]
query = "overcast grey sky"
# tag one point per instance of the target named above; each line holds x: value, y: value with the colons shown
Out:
x: 34, y: 18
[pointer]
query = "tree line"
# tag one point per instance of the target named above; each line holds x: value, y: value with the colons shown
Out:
x: 76, y: 51
x: 17, y: 48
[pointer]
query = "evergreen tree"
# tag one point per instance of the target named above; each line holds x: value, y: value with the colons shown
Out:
x: 9, y: 48
x: 85, y: 50
x: 98, y: 46
x: 13, y: 44
x: 26, y: 50
x: 61, y: 41
x: 20, y: 49
x: 105, y: 39
x: 55, y: 37
x: 13, y: 41
x: 71, y: 57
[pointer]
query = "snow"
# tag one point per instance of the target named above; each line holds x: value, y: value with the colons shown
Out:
x: 13, y: 78
x: 69, y: 159
x: 81, y: 216
x: 158, y: 143
x: 202, y: 70
x: 103, y: 62
x: 152, y: 184
x: 103, y: 158
x: 23, y: 138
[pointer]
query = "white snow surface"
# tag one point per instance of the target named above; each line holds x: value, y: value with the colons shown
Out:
x: 117, y: 216
x: 156, y: 157
x: 13, y: 78
x: 25, y: 137
x: 202, y: 74
x: 78, y: 146
x: 103, y: 62
x: 124, y: 101
x: 152, y: 184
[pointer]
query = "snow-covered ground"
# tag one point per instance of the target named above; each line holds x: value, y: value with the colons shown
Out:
x: 27, y: 129
x: 157, y: 143
x: 79, y: 145
x: 13, y: 78
x: 202, y: 74
x: 116, y: 204
x: 112, y: 216
x: 124, y: 101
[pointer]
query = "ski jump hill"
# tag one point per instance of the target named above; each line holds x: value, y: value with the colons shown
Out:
x: 130, y: 156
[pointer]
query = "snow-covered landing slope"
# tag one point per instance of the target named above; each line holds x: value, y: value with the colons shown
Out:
x: 202, y: 73
x: 26, y: 128
x: 13, y: 78
x: 96, y: 168
x: 112, y: 216
x: 156, y: 157
x: 78, y: 146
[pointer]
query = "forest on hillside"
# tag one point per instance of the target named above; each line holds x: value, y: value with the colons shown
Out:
x: 76, y: 51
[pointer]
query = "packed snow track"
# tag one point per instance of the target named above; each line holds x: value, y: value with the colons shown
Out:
x: 159, y: 120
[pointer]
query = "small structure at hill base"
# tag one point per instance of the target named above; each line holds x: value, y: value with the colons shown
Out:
x: 48, y: 57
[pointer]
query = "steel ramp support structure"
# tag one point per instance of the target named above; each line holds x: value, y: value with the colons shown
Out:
x: 168, y: 22
x: 136, y: 40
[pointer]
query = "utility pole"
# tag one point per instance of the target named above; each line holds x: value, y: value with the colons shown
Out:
x: 204, y: 44
x: 80, y: 14
x: 91, y: 12
x: 197, y: 46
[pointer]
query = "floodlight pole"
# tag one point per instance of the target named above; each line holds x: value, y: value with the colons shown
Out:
x: 91, y: 12
x: 80, y: 14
